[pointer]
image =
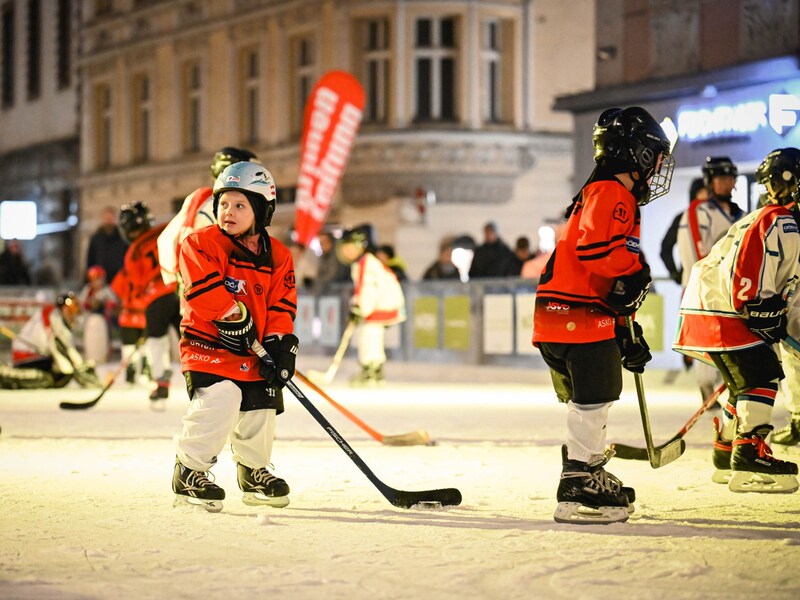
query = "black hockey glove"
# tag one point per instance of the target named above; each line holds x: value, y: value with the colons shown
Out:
x: 238, y: 336
x: 766, y: 317
x: 283, y: 352
x: 628, y: 292
x: 635, y: 351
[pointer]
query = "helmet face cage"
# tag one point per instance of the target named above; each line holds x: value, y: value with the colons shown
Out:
x: 227, y: 156
x: 360, y: 236
x: 69, y: 305
x: 780, y: 173
x: 134, y: 217
x: 637, y: 142
x: 255, y: 182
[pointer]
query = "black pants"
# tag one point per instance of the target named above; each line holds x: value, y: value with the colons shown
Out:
x: 161, y: 313
x: 588, y: 373
x: 745, y: 369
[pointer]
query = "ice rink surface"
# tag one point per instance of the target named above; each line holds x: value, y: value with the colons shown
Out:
x: 87, y: 506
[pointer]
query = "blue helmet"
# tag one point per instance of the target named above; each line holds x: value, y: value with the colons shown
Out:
x: 255, y: 182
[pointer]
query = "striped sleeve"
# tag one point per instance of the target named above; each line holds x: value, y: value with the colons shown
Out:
x: 202, y: 273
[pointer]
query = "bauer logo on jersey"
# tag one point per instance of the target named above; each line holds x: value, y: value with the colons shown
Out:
x: 790, y: 227
x: 235, y: 286
x: 632, y: 244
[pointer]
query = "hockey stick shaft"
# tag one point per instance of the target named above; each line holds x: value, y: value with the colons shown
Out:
x: 410, y: 439
x: 634, y: 453
x: 670, y: 451
x: 110, y: 379
x: 399, y: 498
x: 340, y: 351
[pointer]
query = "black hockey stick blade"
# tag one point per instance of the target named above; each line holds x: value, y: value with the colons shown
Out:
x: 84, y: 405
x: 398, y: 498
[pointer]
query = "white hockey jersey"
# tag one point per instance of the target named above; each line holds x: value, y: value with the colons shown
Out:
x: 377, y: 292
x: 46, y: 335
x: 758, y: 258
x: 196, y: 211
x: 702, y: 225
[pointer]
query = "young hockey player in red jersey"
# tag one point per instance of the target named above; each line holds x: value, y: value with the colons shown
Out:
x: 143, y: 293
x: 734, y: 311
x: 99, y: 304
x: 594, y: 278
x: 44, y: 354
x: 197, y: 211
x: 239, y: 288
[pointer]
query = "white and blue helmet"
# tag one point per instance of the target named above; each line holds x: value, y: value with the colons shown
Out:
x: 255, y: 182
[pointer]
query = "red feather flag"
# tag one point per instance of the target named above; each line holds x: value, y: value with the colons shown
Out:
x: 331, y: 121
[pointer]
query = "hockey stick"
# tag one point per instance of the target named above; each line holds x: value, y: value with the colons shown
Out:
x: 633, y: 453
x: 667, y: 452
x: 328, y: 375
x: 110, y: 379
x: 399, y: 498
x: 414, y: 438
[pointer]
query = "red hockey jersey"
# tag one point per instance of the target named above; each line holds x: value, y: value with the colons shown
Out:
x: 217, y: 272
x: 139, y: 282
x: 599, y: 244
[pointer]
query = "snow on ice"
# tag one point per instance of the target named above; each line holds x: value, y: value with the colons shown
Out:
x: 87, y: 506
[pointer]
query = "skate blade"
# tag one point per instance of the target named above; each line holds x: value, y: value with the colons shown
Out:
x: 745, y: 481
x: 212, y: 506
x: 158, y: 405
x: 577, y: 513
x: 256, y: 499
x: 721, y: 476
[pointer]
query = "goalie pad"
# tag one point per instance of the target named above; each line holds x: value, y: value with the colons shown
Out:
x: 12, y: 378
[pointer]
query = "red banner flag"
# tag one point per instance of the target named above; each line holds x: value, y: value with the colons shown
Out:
x: 331, y: 120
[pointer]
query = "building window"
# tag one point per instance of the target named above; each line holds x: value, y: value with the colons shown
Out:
x: 34, y: 49
x: 302, y: 79
x: 435, y: 69
x: 64, y: 44
x: 490, y: 56
x: 376, y: 57
x: 249, y: 86
x: 8, y: 54
x: 102, y: 125
x: 142, y: 110
x: 191, y: 106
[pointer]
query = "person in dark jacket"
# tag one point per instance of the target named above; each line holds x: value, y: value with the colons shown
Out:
x: 493, y: 258
x: 107, y: 247
x: 13, y: 269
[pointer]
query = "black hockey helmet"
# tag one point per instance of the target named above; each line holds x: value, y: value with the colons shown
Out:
x: 631, y: 140
x: 718, y: 166
x: 134, y: 219
x: 225, y: 157
x: 69, y: 305
x: 780, y: 173
x: 362, y: 236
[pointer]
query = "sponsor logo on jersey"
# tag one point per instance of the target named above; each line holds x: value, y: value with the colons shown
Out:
x: 244, y: 367
x: 621, y: 212
x: 790, y: 228
x: 288, y: 280
x: 607, y: 322
x: 235, y: 286
x: 258, y: 289
x: 555, y: 306
x: 632, y: 244
x: 202, y: 345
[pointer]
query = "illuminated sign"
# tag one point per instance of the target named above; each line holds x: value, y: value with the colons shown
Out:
x: 722, y: 120
x: 783, y: 112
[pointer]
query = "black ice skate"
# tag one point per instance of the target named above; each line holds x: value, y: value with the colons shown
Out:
x: 262, y: 488
x: 158, y: 397
x: 588, y: 495
x: 754, y: 469
x: 194, y: 488
x: 721, y: 455
x: 789, y: 435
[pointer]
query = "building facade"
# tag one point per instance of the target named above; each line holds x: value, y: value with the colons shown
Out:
x: 725, y: 71
x: 459, y: 97
x: 39, y: 127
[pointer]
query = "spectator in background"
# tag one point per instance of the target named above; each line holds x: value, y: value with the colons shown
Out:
x: 329, y: 269
x: 493, y: 258
x: 13, y: 267
x: 387, y: 256
x: 522, y: 253
x: 442, y: 267
x: 107, y: 247
x: 697, y: 191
